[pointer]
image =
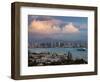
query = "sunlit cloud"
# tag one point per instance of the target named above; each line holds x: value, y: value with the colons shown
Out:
x: 57, y: 27
x: 70, y: 28
x: 51, y: 27
x: 43, y: 27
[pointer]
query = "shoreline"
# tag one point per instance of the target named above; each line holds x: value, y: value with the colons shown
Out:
x: 43, y: 59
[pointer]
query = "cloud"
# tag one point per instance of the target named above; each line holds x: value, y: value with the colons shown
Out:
x: 83, y: 26
x: 70, y: 28
x: 48, y: 27
x: 44, y: 27
x: 44, y: 18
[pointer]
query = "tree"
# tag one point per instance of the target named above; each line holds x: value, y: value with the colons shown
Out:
x: 69, y: 55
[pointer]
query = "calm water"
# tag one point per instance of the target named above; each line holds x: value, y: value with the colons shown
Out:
x: 75, y: 53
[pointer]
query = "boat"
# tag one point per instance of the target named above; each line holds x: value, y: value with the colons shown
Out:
x: 81, y: 49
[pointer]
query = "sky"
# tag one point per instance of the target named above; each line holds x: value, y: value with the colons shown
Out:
x: 57, y: 27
